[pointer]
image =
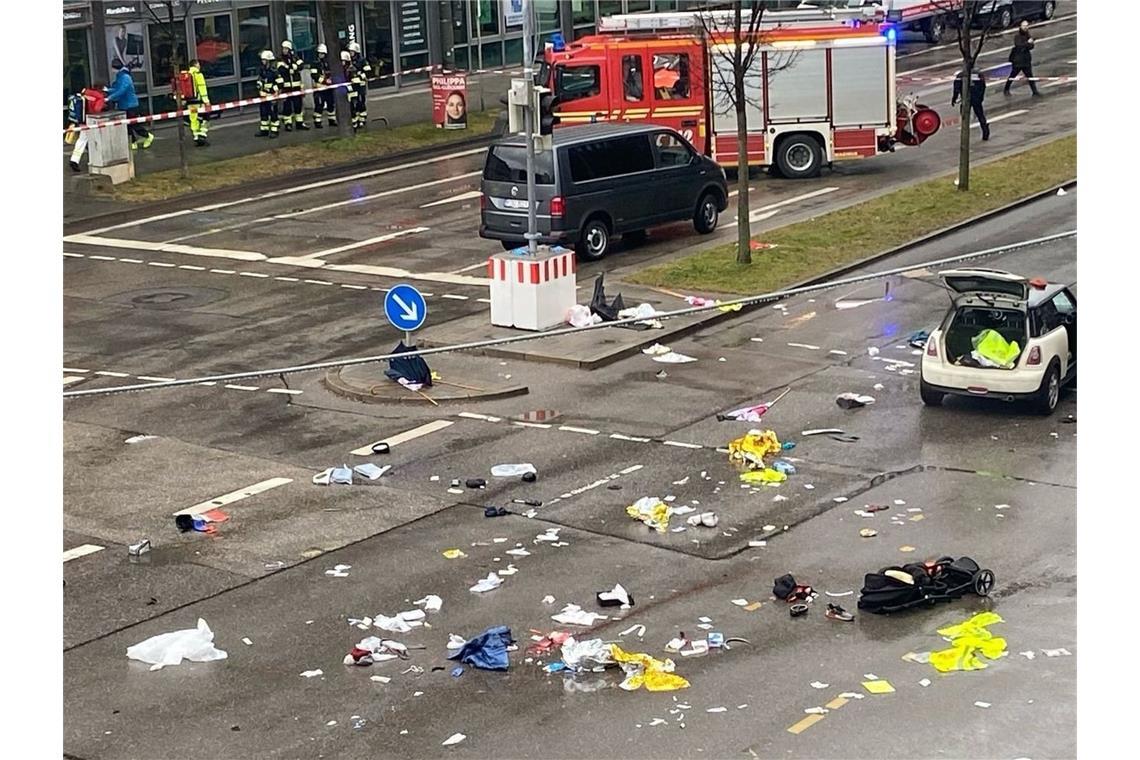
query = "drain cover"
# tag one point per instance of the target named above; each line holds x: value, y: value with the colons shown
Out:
x: 170, y: 298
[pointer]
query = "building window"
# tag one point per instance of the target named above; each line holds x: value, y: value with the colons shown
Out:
x: 378, y: 40
x: 581, y: 32
x: 492, y: 55
x: 301, y: 29
x: 513, y: 52
x: 609, y: 7
x: 341, y: 22
x: 76, y: 61
x: 411, y: 62
x: 547, y: 13
x: 488, y: 19
x: 253, y: 37
x: 665, y: 5
x: 582, y: 11
x: 214, y: 45
x: 412, y: 19
x: 636, y: 6
x: 165, y: 53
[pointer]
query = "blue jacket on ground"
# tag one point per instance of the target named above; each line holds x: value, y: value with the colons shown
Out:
x: 122, y: 91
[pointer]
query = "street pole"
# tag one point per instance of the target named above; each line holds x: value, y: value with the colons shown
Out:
x: 529, y: 116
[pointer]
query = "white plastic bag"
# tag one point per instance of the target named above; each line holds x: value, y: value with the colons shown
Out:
x: 195, y: 644
x: 580, y: 316
x: 512, y: 470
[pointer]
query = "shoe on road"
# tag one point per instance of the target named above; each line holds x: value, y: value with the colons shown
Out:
x: 74, y: 166
x: 835, y: 612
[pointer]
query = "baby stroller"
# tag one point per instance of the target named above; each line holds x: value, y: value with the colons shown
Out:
x: 923, y: 583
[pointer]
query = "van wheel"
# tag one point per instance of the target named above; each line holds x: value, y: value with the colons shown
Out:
x: 930, y: 397
x: 1049, y: 393
x: 510, y: 245
x: 799, y: 157
x: 1048, y: 9
x: 1005, y: 19
x: 708, y: 214
x: 594, y: 242
x: 933, y: 29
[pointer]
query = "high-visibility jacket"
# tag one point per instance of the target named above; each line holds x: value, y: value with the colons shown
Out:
x: 351, y: 74
x: 200, y: 93
x: 269, y: 80
x: 321, y: 71
x: 361, y: 64
x: 291, y: 66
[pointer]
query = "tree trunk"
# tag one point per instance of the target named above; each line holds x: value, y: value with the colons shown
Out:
x: 964, y: 135
x: 743, y: 226
x: 343, y: 114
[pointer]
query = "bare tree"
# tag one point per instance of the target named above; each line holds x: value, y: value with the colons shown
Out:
x: 343, y: 117
x: 168, y: 24
x: 976, y: 22
x: 735, y: 39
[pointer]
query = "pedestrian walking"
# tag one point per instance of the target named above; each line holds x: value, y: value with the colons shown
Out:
x: 293, y: 111
x: 363, y: 72
x: 90, y: 100
x: 324, y: 101
x: 121, y: 95
x: 977, y: 95
x: 199, y: 98
x: 1021, y: 59
x: 352, y: 76
x: 269, y: 82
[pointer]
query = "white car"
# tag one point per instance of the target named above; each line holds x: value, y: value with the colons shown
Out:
x: 1040, y: 317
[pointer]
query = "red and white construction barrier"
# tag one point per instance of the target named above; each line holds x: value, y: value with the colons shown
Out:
x: 532, y: 292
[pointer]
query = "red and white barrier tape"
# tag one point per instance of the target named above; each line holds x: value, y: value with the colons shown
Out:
x: 214, y: 107
x: 947, y: 79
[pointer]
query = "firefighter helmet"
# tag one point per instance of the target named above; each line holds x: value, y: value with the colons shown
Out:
x: 354, y: 47
x: 266, y: 56
x: 286, y: 45
x: 322, y: 49
x: 345, y: 56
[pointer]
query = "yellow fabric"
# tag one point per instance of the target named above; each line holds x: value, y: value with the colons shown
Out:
x: 967, y: 641
x: 645, y: 670
x: 71, y: 136
x: 753, y: 447
x: 657, y: 518
x: 991, y: 345
x: 766, y: 475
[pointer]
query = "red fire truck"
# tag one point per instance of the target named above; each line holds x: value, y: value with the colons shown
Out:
x: 821, y: 88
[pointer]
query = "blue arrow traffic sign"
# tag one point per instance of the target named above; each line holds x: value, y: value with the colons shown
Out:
x: 405, y: 307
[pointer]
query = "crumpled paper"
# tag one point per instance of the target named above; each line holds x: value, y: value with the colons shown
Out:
x: 651, y: 511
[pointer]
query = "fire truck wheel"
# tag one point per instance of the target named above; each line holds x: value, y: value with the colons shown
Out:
x: 594, y: 242
x: 707, y: 214
x: 799, y: 157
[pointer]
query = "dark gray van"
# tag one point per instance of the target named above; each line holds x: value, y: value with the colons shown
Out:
x: 600, y: 180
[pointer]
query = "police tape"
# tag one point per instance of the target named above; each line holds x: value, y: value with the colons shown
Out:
x: 215, y: 108
x: 948, y: 79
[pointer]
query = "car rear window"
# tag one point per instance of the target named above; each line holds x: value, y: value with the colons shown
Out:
x: 507, y: 163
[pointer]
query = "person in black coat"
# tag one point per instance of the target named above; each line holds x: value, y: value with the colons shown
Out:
x: 1021, y: 58
x: 977, y: 96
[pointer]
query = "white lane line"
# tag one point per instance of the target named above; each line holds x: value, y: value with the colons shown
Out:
x: 454, y: 297
x: 286, y: 391
x: 223, y: 271
x: 242, y: 387
x: 207, y: 382
x: 74, y: 255
x: 160, y: 264
x: 191, y: 267
x: 291, y: 190
x: 318, y: 282
x: 137, y: 261
x: 480, y: 265
x: 483, y: 300
x: 146, y: 245
x: 230, y: 498
x: 683, y: 445
x: 81, y: 551
x: 539, y: 425
x: 374, y: 196
x: 408, y: 435
x: 73, y: 369
x: 444, y: 277
x: 1071, y: 62
x: 354, y: 287
x: 477, y: 416
x: 359, y: 244
x: 287, y: 279
x: 999, y: 117
x: 455, y: 198
x: 253, y: 274
x: 102, y: 258
x: 155, y: 379
x: 752, y: 215
x: 109, y: 373
x: 624, y: 437
x: 572, y: 429
x: 631, y: 469
x: 69, y: 379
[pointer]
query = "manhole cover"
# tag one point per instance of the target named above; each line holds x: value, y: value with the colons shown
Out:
x: 170, y: 298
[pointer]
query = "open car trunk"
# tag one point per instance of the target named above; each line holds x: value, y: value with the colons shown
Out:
x: 970, y: 322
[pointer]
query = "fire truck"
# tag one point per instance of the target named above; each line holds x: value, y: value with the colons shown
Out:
x: 821, y: 87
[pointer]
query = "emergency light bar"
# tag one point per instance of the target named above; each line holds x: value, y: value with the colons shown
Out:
x: 658, y: 22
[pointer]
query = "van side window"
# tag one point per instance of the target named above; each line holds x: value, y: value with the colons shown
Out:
x: 671, y: 76
x: 573, y: 82
x: 671, y: 150
x: 633, y: 78
x: 610, y: 158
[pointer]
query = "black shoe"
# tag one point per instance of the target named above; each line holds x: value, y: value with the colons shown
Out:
x: 201, y: 142
x: 1036, y: 94
x: 288, y: 127
x: 261, y: 134
x: 1005, y: 91
x: 302, y: 126
x: 74, y: 166
x: 274, y: 135
x: 332, y: 122
x: 318, y: 125
x: 985, y: 137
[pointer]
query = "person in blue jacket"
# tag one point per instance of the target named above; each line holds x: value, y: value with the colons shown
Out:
x: 121, y: 95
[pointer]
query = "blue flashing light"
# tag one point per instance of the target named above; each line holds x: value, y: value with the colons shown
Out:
x: 891, y: 33
x: 559, y: 43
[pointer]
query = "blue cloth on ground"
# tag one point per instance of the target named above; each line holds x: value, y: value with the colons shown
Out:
x: 488, y: 650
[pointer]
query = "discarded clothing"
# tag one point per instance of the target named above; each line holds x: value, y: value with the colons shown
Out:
x: 586, y: 655
x: 194, y: 644
x: 651, y: 511
x: 431, y: 603
x: 641, y: 311
x: 918, y: 338
x: 580, y: 316
x: 752, y: 447
x: 853, y: 400
x: 488, y: 650
x: 990, y: 346
x: 967, y: 641
x: 371, y: 471
x: 616, y: 597
x: 411, y: 368
x: 764, y: 476
x: 644, y: 670
x: 374, y: 649
x: 492, y: 581
x: 512, y: 470
x: 656, y: 350
x: 674, y: 358
x: 598, y: 305
x: 395, y: 624
x: 572, y: 614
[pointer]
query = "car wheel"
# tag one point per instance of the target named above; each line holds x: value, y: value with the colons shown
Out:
x: 707, y: 214
x: 1050, y: 391
x: 1048, y: 9
x: 930, y: 397
x: 799, y: 157
x: 594, y: 242
x: 1005, y: 19
x: 934, y: 29
x: 635, y: 237
x: 510, y: 245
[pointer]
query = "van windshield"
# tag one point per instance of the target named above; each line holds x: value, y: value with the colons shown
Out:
x: 507, y: 163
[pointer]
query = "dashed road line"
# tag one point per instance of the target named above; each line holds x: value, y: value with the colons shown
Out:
x: 137, y: 261
x: 109, y: 373
x: 74, y: 369
x: 805, y: 724
x: 160, y: 264
x: 223, y: 271
x: 683, y: 445
x: 539, y: 425
x: 454, y: 297
x: 81, y: 551
x: 238, y: 495
x: 155, y: 378
x: 253, y: 274
x: 572, y: 429
x: 69, y: 379
x: 287, y: 279
x: 287, y: 391
x: 74, y: 255
x: 407, y: 435
x: 190, y: 267
x: 633, y: 438
x: 483, y: 417
x: 233, y: 387
x: 74, y: 375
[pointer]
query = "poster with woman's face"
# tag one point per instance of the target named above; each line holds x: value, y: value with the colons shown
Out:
x: 449, y: 100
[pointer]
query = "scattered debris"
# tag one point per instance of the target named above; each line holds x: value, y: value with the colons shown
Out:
x: 853, y: 400
x: 618, y: 596
x: 339, y: 571
x: 819, y: 685
x: 967, y: 640
x: 868, y: 533
x: 454, y: 739
x: 492, y: 581
x: 651, y: 511
x: 139, y: 438
x: 453, y: 553
x: 572, y: 614
x: 878, y: 687
x: 194, y: 644
x: 312, y: 673
x: 487, y: 651
x: 512, y: 470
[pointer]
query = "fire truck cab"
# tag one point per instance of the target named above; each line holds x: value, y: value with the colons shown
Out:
x: 821, y: 87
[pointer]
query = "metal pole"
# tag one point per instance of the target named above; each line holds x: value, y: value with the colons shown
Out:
x: 528, y: 72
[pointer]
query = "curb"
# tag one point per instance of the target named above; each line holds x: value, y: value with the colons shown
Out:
x: 143, y: 210
x: 333, y: 382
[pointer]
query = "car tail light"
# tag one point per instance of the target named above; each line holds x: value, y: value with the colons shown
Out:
x: 1034, y: 356
x: 931, y: 346
x: 557, y: 205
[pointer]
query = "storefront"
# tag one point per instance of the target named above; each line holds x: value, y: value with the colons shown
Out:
x: 399, y: 37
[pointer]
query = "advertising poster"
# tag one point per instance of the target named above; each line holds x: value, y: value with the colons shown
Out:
x: 449, y: 100
x: 513, y: 12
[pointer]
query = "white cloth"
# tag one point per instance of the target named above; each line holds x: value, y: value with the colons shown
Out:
x: 572, y: 614
x: 492, y: 581
x: 194, y: 644
x: 674, y: 358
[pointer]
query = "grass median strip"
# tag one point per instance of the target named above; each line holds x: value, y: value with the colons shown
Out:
x: 286, y: 160
x: 841, y: 237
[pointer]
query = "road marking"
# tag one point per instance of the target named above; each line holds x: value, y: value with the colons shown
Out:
x: 242, y: 387
x: 146, y: 245
x: 539, y: 425
x: 318, y: 282
x: 836, y: 703
x: 624, y: 437
x: 287, y: 279
x: 683, y: 445
x: 1008, y: 115
x: 160, y: 264
x: 81, y: 551
x: 354, y: 287
x: 1072, y: 61
x: 191, y: 267
x: 453, y: 199
x: 480, y: 265
x: 69, y: 379
x: 137, y: 261
x: 252, y: 274
x: 374, y: 196
x: 454, y: 297
x: 108, y: 373
x: 102, y: 258
x: 408, y: 435
x: 804, y: 724
x: 483, y: 300
x: 476, y: 416
x: 629, y: 470
x: 151, y: 379
x: 999, y: 51
x: 788, y: 201
x: 73, y: 369
x: 572, y: 429
x: 223, y: 271
x: 287, y: 391
x: 394, y: 272
x: 359, y: 244
x: 238, y: 495
x: 74, y: 255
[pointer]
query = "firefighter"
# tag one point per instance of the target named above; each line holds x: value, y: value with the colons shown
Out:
x: 977, y: 95
x: 1021, y: 59
x: 363, y: 72
x: 324, y: 101
x: 293, y: 112
x: 269, y: 82
x: 199, y: 97
x: 351, y: 75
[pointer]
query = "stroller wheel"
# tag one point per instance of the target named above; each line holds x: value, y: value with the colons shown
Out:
x: 984, y: 582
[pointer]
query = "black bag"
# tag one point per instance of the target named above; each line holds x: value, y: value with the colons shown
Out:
x: 783, y: 586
